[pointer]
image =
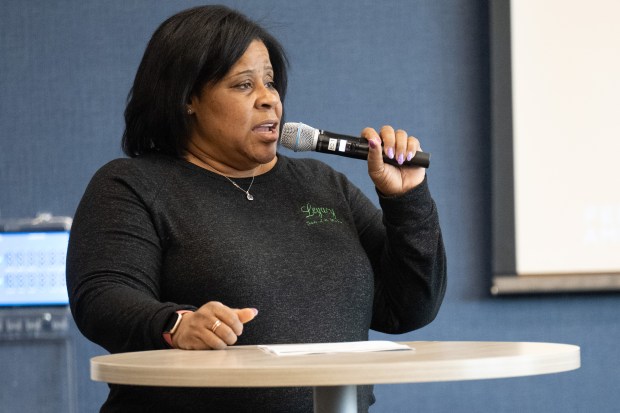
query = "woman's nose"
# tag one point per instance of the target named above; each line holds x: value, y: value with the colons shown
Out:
x: 267, y: 97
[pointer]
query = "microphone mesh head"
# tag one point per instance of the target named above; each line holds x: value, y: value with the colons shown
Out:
x: 297, y: 136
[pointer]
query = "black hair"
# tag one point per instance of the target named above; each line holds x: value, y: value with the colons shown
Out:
x: 188, y: 50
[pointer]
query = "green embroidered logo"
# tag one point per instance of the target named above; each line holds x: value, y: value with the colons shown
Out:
x: 319, y: 215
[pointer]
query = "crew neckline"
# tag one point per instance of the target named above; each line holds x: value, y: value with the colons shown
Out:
x: 280, y: 163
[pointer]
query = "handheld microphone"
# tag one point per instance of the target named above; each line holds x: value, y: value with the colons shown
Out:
x: 301, y: 138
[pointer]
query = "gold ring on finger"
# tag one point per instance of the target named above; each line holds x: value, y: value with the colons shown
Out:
x: 216, y: 325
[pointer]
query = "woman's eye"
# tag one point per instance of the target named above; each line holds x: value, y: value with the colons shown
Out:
x: 245, y: 85
x: 271, y: 85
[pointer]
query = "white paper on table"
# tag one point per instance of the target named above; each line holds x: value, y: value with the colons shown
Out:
x: 344, y: 347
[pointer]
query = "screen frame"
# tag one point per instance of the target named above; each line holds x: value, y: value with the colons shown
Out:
x: 42, y: 224
x: 506, y: 279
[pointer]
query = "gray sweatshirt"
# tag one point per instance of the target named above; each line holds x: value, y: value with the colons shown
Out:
x: 154, y: 234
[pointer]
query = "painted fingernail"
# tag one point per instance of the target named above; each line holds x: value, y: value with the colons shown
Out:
x: 254, y: 310
x: 391, y: 153
x: 410, y: 156
x: 401, y: 159
x: 372, y: 143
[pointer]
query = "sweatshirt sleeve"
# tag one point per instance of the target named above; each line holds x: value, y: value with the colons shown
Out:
x: 407, y: 252
x: 113, y: 264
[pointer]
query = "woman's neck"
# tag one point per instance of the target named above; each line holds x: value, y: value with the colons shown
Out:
x: 206, y: 162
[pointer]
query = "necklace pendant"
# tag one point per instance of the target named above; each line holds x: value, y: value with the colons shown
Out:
x: 249, y: 196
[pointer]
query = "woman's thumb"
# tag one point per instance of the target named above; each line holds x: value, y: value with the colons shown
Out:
x: 246, y: 314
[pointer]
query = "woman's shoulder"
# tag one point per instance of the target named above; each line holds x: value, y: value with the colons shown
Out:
x: 143, y: 174
x: 310, y: 171
x: 148, y: 165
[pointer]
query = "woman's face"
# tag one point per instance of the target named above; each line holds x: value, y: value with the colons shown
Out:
x: 236, y: 120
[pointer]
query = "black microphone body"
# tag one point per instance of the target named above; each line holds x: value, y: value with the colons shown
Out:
x: 300, y: 137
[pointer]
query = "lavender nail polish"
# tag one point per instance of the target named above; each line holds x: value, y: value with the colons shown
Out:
x: 391, y: 153
x: 409, y: 156
x: 401, y: 159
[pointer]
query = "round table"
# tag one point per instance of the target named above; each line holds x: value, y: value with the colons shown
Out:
x: 334, y: 377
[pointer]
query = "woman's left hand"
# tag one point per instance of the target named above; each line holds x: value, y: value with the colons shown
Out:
x: 391, y: 180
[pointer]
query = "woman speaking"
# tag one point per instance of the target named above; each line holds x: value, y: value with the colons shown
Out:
x: 206, y: 236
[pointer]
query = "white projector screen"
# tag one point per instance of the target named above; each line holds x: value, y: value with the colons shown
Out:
x: 561, y: 73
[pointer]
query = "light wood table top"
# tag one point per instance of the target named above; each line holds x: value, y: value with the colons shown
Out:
x: 248, y: 366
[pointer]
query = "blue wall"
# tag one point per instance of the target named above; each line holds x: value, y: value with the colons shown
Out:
x: 423, y: 65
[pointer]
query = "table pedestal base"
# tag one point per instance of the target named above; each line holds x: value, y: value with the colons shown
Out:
x: 335, y: 399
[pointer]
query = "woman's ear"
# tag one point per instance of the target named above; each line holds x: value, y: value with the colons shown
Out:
x: 192, y: 104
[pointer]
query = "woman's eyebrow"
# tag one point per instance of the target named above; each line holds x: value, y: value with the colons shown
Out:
x: 266, y: 68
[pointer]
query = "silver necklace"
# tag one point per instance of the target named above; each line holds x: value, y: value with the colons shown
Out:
x: 248, y: 195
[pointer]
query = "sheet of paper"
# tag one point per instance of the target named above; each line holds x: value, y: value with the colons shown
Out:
x: 345, y: 347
